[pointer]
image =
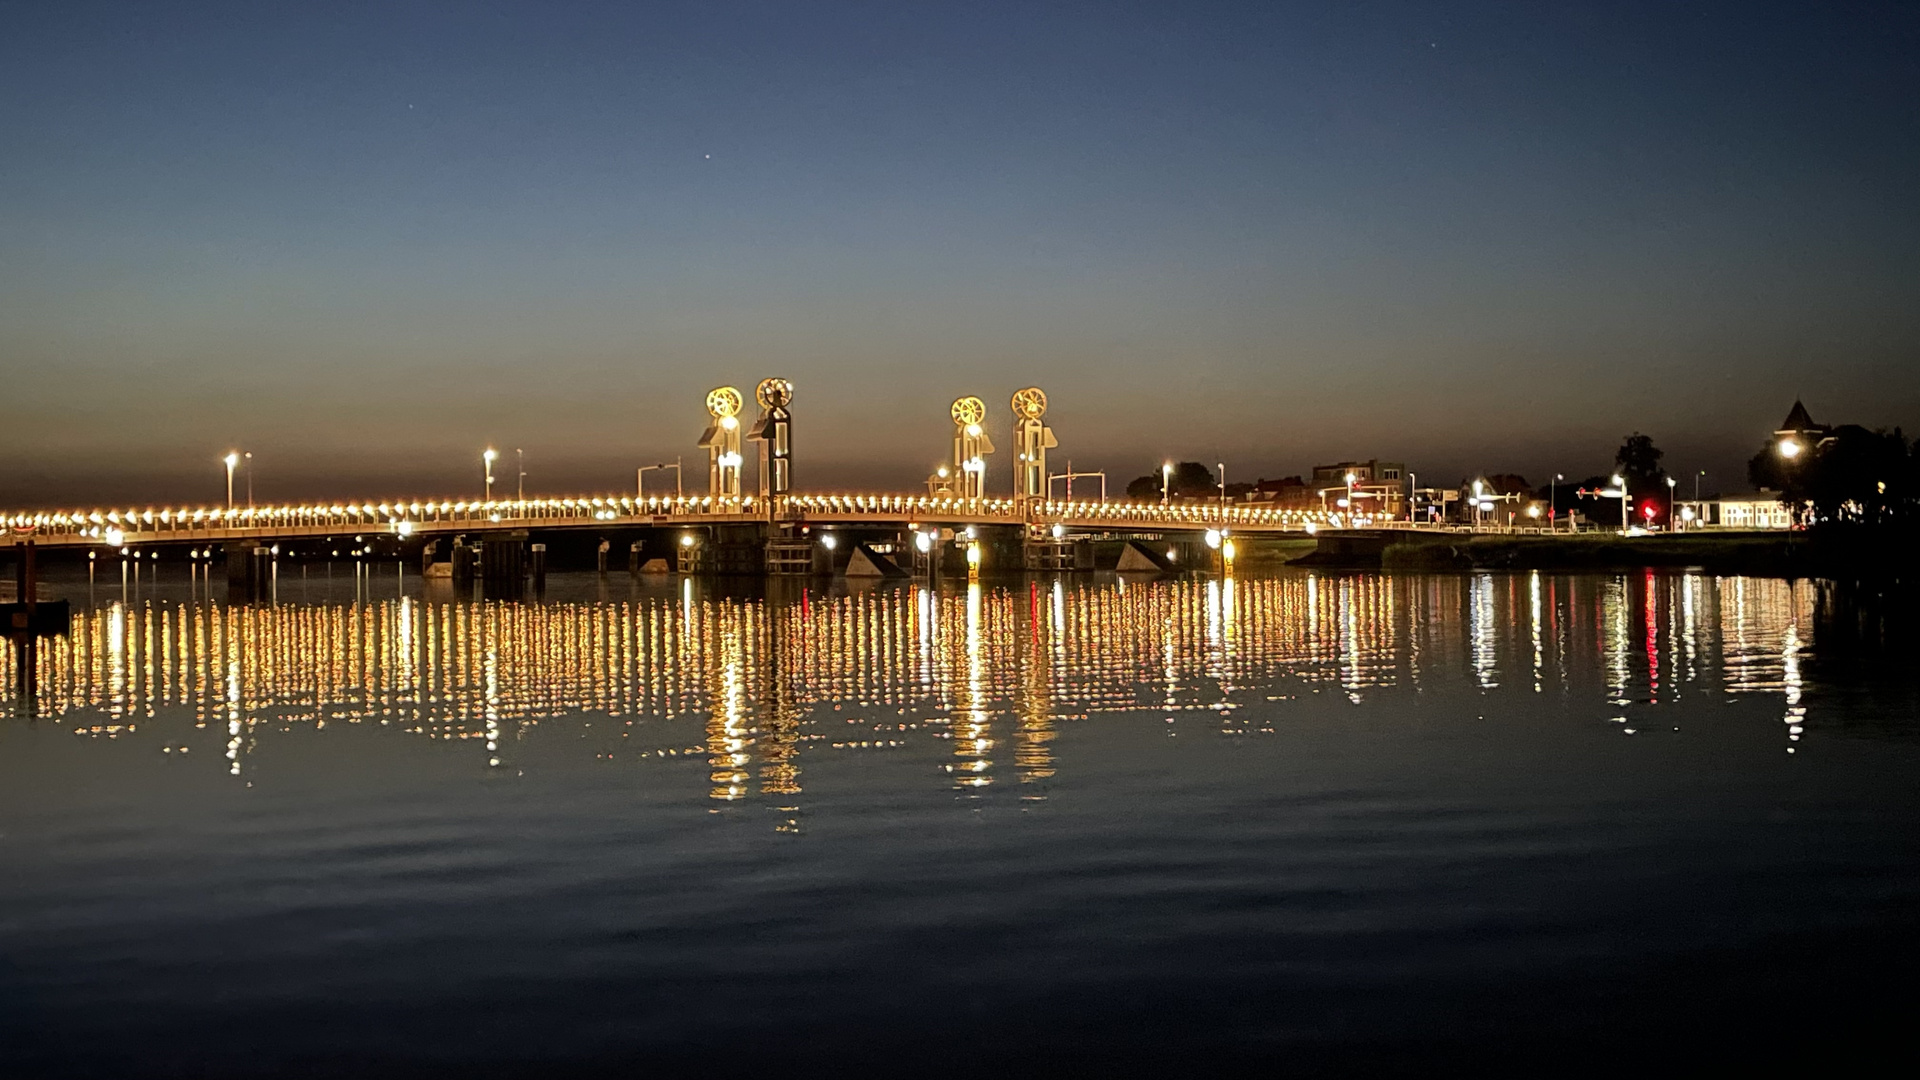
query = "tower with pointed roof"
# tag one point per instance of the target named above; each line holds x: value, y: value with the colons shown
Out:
x: 1798, y: 432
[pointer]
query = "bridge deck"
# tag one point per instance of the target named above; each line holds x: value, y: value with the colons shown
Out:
x: 150, y: 525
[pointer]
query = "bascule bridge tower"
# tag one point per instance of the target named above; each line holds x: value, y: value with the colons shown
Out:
x: 774, y: 432
x: 970, y: 448
x: 1032, y: 438
x: 722, y: 443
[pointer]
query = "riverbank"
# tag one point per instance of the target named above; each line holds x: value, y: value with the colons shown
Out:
x: 1771, y: 554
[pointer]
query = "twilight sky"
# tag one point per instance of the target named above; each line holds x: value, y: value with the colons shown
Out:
x: 365, y: 241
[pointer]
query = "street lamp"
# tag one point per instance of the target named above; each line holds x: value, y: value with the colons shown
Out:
x: 1350, y: 506
x: 231, y: 459
x: 1620, y: 484
x: 1553, y: 500
x: 486, y: 460
x: 1671, y: 520
x: 1789, y: 449
x: 249, y: 456
x: 521, y: 491
x: 1166, y: 483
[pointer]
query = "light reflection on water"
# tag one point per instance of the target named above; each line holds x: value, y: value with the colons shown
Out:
x: 1170, y: 819
x: 994, y: 670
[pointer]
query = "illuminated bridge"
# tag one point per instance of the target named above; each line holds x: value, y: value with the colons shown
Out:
x: 727, y: 529
x: 125, y: 527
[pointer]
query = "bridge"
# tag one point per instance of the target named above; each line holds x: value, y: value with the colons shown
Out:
x: 726, y: 529
x: 127, y: 527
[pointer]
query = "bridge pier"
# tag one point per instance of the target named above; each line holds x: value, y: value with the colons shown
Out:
x: 249, y: 570
x: 503, y: 565
x: 1057, y: 554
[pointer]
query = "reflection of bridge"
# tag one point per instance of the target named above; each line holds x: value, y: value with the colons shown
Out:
x: 751, y: 687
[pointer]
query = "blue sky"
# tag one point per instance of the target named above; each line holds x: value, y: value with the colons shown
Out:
x: 366, y: 240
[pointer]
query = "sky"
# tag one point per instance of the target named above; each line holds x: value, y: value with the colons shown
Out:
x: 365, y: 241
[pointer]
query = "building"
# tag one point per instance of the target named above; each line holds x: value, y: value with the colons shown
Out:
x: 1798, y: 433
x: 1503, y: 499
x: 1378, y: 488
x: 1762, y: 511
x: 1286, y: 493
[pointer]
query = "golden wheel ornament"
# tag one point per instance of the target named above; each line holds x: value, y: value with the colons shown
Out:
x: 1030, y: 404
x: 773, y: 394
x: 969, y: 410
x: 723, y: 402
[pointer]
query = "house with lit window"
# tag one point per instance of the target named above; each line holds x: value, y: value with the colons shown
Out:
x: 1376, y: 488
x: 1761, y: 511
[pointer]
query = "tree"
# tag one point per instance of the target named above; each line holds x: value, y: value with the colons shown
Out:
x: 1639, y: 462
x: 1566, y: 498
x: 1191, y: 480
x: 1768, y: 471
x: 1859, y: 477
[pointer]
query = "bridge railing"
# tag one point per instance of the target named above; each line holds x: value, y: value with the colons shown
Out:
x: 185, y: 523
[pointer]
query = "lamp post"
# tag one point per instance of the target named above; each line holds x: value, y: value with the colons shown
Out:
x: 232, y: 459
x: 249, y: 458
x: 1790, y: 450
x: 1223, y: 491
x: 1620, y: 483
x: 1166, y: 484
x: 1553, y: 501
x: 1673, y: 522
x: 1350, y: 507
x: 486, y: 460
x: 520, y: 492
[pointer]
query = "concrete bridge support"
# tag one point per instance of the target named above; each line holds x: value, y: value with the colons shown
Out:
x: 1057, y: 554
x: 503, y: 565
x: 249, y: 570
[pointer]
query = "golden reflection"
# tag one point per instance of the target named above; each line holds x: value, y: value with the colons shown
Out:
x: 920, y: 670
x: 971, y: 726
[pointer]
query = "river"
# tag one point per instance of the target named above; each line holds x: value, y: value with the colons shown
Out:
x: 1352, y: 822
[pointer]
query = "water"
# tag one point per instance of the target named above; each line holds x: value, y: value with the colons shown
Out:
x: 1353, y: 823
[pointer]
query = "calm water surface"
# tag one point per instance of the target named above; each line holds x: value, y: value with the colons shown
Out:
x: 1336, y: 822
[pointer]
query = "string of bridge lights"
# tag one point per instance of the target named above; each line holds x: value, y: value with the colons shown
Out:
x: 955, y: 493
